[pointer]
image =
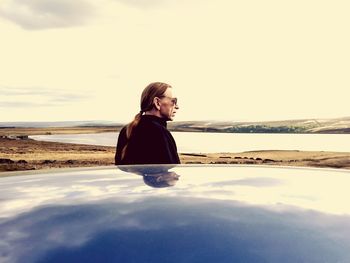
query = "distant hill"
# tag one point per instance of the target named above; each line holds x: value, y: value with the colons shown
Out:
x: 57, y: 124
x: 337, y: 125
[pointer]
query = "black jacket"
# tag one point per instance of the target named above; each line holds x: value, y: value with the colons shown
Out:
x: 150, y: 143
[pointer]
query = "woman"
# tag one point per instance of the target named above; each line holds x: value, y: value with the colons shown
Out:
x: 146, y: 139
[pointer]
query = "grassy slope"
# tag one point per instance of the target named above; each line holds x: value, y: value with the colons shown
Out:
x: 339, y: 125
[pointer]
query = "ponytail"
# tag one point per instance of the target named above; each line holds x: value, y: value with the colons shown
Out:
x: 129, y: 129
x: 155, y: 89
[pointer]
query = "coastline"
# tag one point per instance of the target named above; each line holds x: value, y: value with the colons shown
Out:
x: 18, y: 153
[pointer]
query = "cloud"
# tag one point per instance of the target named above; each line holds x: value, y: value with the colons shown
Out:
x: 21, y: 97
x: 44, y: 14
x: 21, y: 104
x: 145, y: 3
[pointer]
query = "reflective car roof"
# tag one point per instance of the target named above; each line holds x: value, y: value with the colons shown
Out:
x: 183, y: 213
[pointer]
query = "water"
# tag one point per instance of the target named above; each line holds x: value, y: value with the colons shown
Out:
x: 190, y: 142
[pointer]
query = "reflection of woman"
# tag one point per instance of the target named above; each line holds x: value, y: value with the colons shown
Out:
x: 154, y: 176
x: 161, y: 179
x: 146, y: 139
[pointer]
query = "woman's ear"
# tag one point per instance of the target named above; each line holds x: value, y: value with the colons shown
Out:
x: 156, y: 103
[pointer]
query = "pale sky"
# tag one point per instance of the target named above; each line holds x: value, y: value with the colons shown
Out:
x: 63, y: 60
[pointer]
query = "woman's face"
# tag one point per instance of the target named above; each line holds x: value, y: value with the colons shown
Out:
x: 168, y: 105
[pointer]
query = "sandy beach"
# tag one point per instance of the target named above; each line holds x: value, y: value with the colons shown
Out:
x: 17, y: 152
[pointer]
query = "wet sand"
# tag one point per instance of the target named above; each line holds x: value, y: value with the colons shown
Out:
x: 17, y: 152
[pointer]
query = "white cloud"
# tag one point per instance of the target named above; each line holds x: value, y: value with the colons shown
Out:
x: 29, y: 97
x: 43, y: 14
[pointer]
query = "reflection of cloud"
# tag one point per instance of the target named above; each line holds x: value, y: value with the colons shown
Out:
x: 255, y: 182
x: 64, y: 214
x: 28, y: 228
x: 19, y: 97
x: 275, y: 185
x: 152, y: 229
x: 42, y: 14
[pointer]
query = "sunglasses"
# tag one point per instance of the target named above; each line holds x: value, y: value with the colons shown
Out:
x: 173, y: 100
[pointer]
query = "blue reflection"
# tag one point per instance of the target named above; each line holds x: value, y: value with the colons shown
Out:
x: 174, y: 230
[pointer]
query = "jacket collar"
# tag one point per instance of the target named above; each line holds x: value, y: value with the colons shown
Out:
x: 157, y: 119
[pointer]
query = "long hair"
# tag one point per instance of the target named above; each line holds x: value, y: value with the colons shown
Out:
x: 155, y: 89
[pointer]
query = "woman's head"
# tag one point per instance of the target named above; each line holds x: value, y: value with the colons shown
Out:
x: 157, y: 99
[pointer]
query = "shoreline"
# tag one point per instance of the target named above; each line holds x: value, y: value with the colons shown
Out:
x: 18, y: 153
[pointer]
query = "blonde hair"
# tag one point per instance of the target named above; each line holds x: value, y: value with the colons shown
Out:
x: 154, y: 89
